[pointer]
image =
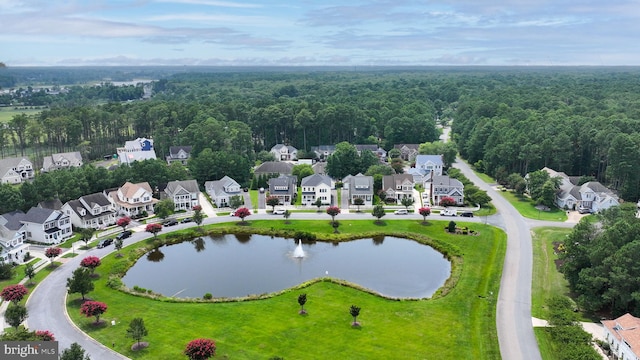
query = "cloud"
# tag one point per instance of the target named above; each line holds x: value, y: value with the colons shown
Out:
x: 229, y: 4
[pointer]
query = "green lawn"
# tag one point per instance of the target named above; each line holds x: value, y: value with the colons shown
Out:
x: 18, y: 274
x: 527, y: 208
x: 459, y: 325
x: 7, y: 113
x: 253, y: 195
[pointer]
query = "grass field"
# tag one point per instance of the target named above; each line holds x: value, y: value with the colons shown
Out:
x: 6, y: 114
x: 527, y: 208
x: 459, y: 325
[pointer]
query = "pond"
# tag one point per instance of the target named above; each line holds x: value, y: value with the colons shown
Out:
x: 242, y: 265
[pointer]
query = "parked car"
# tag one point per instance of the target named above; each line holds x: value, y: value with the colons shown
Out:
x: 279, y: 211
x: 186, y: 220
x: 401, y: 212
x: 466, y: 214
x: 448, y: 212
x: 104, y: 243
x: 583, y: 210
x: 170, y: 222
x: 123, y: 235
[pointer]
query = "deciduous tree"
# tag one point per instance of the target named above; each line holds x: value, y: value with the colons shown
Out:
x: 302, y: 299
x: 52, y: 253
x: 198, y: 216
x: 273, y: 201
x: 74, y: 352
x: 93, y: 309
x: 153, y: 228
x: 164, y: 208
x: 358, y: 202
x: 355, y: 312
x: 80, y: 282
x: 333, y: 211
x: 123, y: 222
x: 242, y: 213
x: 378, y: 212
x: 15, y: 314
x: 424, y: 211
x: 91, y: 263
x: 137, y: 331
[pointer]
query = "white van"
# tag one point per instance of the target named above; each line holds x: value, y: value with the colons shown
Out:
x: 448, y: 212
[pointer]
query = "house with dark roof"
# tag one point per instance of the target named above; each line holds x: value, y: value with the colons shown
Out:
x: 322, y: 152
x: 185, y: 194
x: 136, y: 150
x: 442, y: 186
x: 360, y: 186
x: 179, y: 154
x: 91, y: 211
x: 273, y: 169
x: 623, y: 336
x: 221, y: 191
x: 62, y: 161
x: 133, y: 199
x: 12, y: 245
x: 15, y: 170
x: 591, y: 196
x: 397, y: 187
x: 408, y: 152
x: 46, y: 226
x: 53, y: 204
x: 375, y: 149
x: 285, y: 188
x: 283, y: 152
x: 316, y: 187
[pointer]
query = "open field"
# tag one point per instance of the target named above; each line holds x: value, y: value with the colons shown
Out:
x: 527, y: 208
x: 459, y: 325
x: 7, y: 113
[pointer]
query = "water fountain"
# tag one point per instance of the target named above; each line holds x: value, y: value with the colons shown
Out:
x: 298, y: 252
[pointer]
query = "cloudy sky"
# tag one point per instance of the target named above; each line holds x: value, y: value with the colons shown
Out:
x: 323, y: 32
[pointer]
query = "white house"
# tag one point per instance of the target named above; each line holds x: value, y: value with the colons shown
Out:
x: 12, y: 238
x: 591, y: 196
x: 444, y: 186
x: 623, y: 336
x: 62, y: 161
x: 133, y: 199
x: 398, y: 187
x: 183, y: 193
x: 361, y: 187
x: 284, y: 152
x: 91, y: 211
x: 179, y: 154
x: 15, y: 170
x: 46, y: 226
x: 430, y: 163
x: 222, y: 190
x: 316, y: 187
x: 136, y: 150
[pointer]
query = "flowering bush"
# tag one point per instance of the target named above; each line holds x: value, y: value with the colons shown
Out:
x: 424, y: 211
x: 447, y: 201
x: 123, y: 222
x: 52, y: 253
x: 45, y: 335
x: 93, y: 308
x: 14, y: 293
x: 153, y: 228
x: 90, y: 262
x: 242, y: 213
x: 200, y: 349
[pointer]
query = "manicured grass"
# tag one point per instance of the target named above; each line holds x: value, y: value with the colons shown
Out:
x: 253, y: 195
x: 547, y: 281
x: 485, y: 211
x: 6, y: 114
x: 527, y: 208
x: 548, y: 349
x: 18, y: 274
x: 459, y: 325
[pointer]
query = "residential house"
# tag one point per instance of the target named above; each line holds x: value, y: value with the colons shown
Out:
x: 12, y: 245
x: 283, y: 152
x: 46, y: 226
x: 285, y: 188
x: 179, y: 154
x: 53, y: 204
x: 442, y: 186
x: 591, y: 196
x: 360, y: 186
x: 316, y: 187
x: 222, y: 190
x: 398, y: 187
x: 133, y: 199
x: 408, y: 152
x: 345, y: 182
x: 638, y: 207
x: 15, y: 170
x: 418, y: 176
x: 184, y: 194
x: 323, y: 151
x: 375, y: 149
x: 136, y: 150
x: 320, y: 168
x: 273, y: 169
x: 430, y: 164
x: 91, y: 211
x: 62, y: 161
x: 623, y: 336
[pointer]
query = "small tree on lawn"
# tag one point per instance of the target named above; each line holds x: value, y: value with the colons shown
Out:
x: 74, y: 352
x: 6, y: 269
x: 30, y: 272
x: 86, y: 234
x: 153, y: 229
x: 318, y: 203
x: 164, y: 208
x: 424, y: 211
x: 452, y: 227
x: 378, y: 212
x: 273, y: 201
x: 242, y: 213
x: 137, y: 331
x: 447, y: 201
x: 302, y: 299
x: 333, y: 211
x: 358, y: 202
x: 15, y: 315
x: 80, y: 282
x: 45, y: 335
x: 355, y: 312
x: 382, y: 195
x: 236, y: 201
x: 91, y: 263
x: 200, y: 349
x: 123, y: 222
x: 197, y: 215
x: 52, y: 253
x: 117, y: 243
x: 286, y: 215
x: 93, y: 308
x: 14, y: 293
x: 406, y: 202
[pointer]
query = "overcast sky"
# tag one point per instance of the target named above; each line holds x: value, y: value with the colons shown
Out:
x: 324, y: 32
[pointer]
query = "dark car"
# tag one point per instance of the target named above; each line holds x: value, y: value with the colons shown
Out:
x: 104, y: 243
x: 467, y: 214
x: 170, y: 222
x: 186, y: 220
x: 123, y: 235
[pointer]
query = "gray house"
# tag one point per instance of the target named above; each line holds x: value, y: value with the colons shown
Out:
x: 179, y: 154
x: 285, y: 188
x: 62, y: 161
x: 444, y: 186
x: 222, y: 190
x: 273, y: 169
x: 91, y: 211
x: 361, y: 186
x: 185, y: 194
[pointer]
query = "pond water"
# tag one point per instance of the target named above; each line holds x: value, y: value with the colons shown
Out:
x: 242, y: 265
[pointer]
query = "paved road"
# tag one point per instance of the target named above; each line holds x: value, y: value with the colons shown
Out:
x: 513, y: 318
